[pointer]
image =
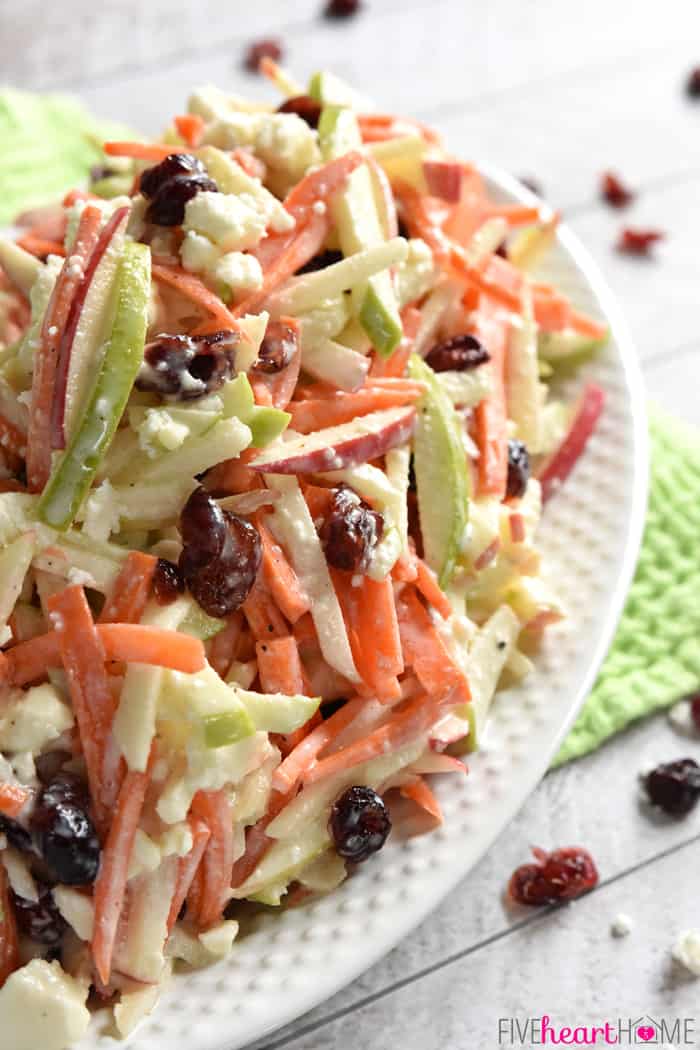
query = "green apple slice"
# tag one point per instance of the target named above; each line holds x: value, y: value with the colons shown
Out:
x: 228, y: 727
x: 556, y: 347
x: 442, y: 480
x: 266, y: 423
x: 359, y: 227
x: 328, y: 88
x: 123, y: 354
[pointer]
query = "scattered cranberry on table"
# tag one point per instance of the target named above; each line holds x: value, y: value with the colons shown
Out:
x: 674, y: 786
x: 559, y: 876
x: 342, y: 8
x: 259, y: 49
x: 692, y: 84
x: 695, y: 710
x: 531, y: 184
x: 638, y: 242
x: 614, y: 191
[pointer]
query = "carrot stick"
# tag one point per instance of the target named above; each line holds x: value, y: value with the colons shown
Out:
x: 46, y: 357
x: 425, y: 651
x: 304, y: 630
x: 142, y: 150
x: 222, y: 647
x: 9, y: 942
x: 416, y: 718
x: 83, y: 657
x: 214, y: 808
x: 279, y: 666
x: 257, y: 842
x: 419, y: 792
x: 13, y: 799
x: 131, y: 643
x: 195, y: 894
x: 311, y: 415
x: 110, y: 886
x: 187, y: 868
x: 514, y: 214
x: 428, y: 586
x: 263, y: 616
x: 475, y: 276
x: 586, y: 325
x: 190, y: 127
x: 421, y: 218
x: 280, y: 577
x: 298, y: 761
x: 193, y: 289
x: 131, y: 590
x: 40, y: 246
x: 370, y: 613
x: 234, y: 475
x: 306, y: 243
x: 491, y: 414
x: 277, y: 388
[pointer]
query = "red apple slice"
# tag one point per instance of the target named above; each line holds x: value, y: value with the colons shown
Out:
x: 342, y: 446
x: 444, y: 179
x: 557, y: 469
x: 85, y: 328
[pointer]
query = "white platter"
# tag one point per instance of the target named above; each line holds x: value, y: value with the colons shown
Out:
x: 590, y: 537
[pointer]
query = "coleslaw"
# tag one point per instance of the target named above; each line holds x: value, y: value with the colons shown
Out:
x: 277, y: 424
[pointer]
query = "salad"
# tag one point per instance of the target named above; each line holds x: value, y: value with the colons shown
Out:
x: 275, y: 436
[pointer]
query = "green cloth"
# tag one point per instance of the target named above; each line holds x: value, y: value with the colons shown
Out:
x: 49, y: 143
x: 655, y: 657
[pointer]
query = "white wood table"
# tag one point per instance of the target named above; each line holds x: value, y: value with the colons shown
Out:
x: 560, y: 91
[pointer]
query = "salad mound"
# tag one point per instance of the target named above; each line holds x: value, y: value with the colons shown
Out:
x: 276, y: 430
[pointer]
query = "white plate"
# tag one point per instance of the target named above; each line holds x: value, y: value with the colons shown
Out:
x: 590, y: 538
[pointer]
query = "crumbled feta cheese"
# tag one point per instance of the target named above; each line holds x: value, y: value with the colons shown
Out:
x: 43, y: 1007
x: 687, y: 951
x: 621, y: 925
x: 285, y: 141
x: 160, y: 431
x: 33, y: 719
x: 198, y: 254
x: 232, y: 222
x: 101, y: 513
x: 417, y: 273
x: 80, y: 577
x: 239, y: 272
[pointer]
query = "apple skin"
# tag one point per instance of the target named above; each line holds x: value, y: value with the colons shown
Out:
x: 444, y: 179
x: 336, y: 448
x: 58, y: 409
x: 562, y: 462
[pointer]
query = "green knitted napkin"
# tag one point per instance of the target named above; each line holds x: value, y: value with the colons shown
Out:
x: 49, y: 143
x: 655, y: 657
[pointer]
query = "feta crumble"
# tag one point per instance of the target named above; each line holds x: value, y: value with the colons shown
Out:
x: 687, y: 951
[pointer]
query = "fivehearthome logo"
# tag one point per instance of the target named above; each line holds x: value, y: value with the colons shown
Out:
x: 621, y: 1031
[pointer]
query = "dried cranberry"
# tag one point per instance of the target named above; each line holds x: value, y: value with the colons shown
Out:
x: 674, y: 786
x: 305, y: 107
x: 457, y: 354
x: 692, y: 84
x: 16, y: 835
x: 167, y: 582
x: 638, y: 242
x: 321, y: 261
x: 260, y: 49
x: 40, y: 920
x: 531, y: 184
x: 695, y: 711
x: 184, y: 367
x: 64, y: 831
x: 342, y: 8
x: 558, y: 876
x: 518, y: 469
x: 221, y: 555
x: 350, y: 532
x: 50, y: 764
x: 175, y: 164
x: 168, y: 206
x: 101, y: 171
x: 277, y: 348
x: 359, y: 824
x: 614, y: 191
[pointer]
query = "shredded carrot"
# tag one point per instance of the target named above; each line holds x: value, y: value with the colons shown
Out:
x: 130, y: 643
x: 83, y: 656
x: 463, y: 269
x: 369, y: 611
x: 304, y: 630
x: 514, y: 214
x: 196, y: 291
x: 308, y: 416
x: 214, y: 808
x: 426, y: 583
x: 586, y: 325
x: 300, y: 760
x: 318, y: 500
x: 404, y: 569
x: 395, y: 365
x: 277, y: 388
x: 222, y: 647
x: 46, y: 357
x: 421, y: 218
x: 9, y: 941
x: 187, y: 868
x: 131, y: 590
x: 280, y: 577
x: 12, y: 439
x: 257, y: 842
x: 190, y: 127
x: 263, y: 616
x: 40, y: 246
x: 282, y: 258
x: 110, y: 886
x: 232, y: 476
x: 155, y: 151
x: 279, y: 666
x: 418, y: 791
x: 425, y: 651
x: 551, y: 309
x: 491, y: 413
x: 251, y: 164
x: 406, y: 725
x: 13, y: 799
x: 195, y: 894
x: 517, y: 527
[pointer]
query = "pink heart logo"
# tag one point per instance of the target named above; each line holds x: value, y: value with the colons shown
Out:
x: 646, y: 1032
